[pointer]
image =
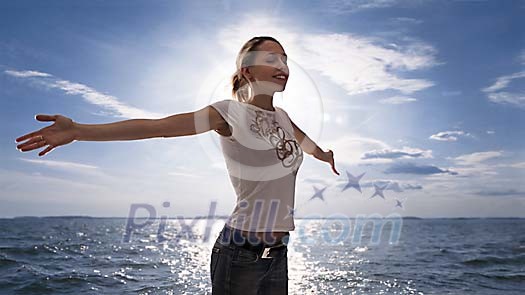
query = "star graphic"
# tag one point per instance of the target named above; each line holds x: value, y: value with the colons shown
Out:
x: 291, y: 212
x: 379, y: 191
x: 353, y: 181
x: 318, y: 193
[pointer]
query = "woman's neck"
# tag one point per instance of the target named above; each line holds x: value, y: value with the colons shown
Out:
x: 263, y: 101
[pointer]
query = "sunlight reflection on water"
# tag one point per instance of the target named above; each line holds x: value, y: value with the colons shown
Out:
x: 84, y: 255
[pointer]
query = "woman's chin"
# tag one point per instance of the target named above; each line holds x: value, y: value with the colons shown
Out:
x: 280, y: 88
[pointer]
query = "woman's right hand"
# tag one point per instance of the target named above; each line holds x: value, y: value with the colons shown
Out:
x: 60, y: 133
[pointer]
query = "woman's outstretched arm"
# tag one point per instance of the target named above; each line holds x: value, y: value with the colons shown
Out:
x: 64, y: 130
x: 310, y: 147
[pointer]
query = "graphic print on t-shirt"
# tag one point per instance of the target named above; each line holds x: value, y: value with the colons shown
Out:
x: 287, y: 150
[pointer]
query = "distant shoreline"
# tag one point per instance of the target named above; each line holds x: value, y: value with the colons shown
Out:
x: 225, y: 217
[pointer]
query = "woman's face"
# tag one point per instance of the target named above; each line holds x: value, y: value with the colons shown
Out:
x: 269, y: 69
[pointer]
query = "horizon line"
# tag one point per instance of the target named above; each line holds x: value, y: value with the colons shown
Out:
x: 226, y: 216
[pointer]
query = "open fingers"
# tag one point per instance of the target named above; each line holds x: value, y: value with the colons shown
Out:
x: 332, y: 162
x: 33, y: 146
x: 29, y: 142
x: 43, y: 118
x: 335, y: 171
x: 333, y: 167
x: 29, y: 135
x: 47, y: 150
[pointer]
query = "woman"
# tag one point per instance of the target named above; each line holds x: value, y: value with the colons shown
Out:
x: 262, y: 148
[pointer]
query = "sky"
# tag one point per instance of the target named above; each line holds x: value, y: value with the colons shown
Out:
x: 424, y: 100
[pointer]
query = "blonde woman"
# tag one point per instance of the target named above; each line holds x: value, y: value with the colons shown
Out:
x: 263, y: 150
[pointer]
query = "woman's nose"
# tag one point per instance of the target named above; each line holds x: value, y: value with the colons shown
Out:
x: 283, y: 67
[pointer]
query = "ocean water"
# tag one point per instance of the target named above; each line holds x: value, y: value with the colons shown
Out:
x: 430, y: 256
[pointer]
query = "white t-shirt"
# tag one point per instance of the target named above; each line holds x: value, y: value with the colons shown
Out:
x: 262, y: 157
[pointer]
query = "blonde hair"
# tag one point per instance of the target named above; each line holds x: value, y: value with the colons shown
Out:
x: 241, y: 86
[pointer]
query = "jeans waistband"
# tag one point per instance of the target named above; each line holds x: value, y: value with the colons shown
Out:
x: 231, y: 235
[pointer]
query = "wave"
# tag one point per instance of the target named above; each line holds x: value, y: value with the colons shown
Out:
x: 5, y: 262
x: 492, y: 260
x: 510, y: 277
x: 30, y: 250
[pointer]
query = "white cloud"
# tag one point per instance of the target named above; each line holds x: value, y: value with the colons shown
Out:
x: 501, y: 192
x: 397, y: 100
x: 358, y: 64
x: 349, y: 6
x: 393, y: 185
x: 47, y: 188
x: 349, y: 148
x: 517, y: 99
x: 61, y: 164
x: 476, y: 158
x: 495, y: 94
x: 404, y: 153
x: 448, y: 135
x: 110, y: 103
x: 518, y: 165
x: 503, y: 81
x: 26, y: 74
x: 407, y: 20
x: 473, y: 165
x: 477, y: 170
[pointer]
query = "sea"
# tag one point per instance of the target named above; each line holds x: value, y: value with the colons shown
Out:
x: 85, y: 255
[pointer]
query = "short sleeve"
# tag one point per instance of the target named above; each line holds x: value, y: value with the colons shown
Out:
x: 283, y: 111
x: 226, y: 109
x: 286, y: 119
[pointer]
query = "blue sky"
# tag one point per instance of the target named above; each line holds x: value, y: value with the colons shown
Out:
x: 426, y: 98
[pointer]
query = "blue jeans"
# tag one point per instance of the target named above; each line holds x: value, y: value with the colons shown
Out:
x: 235, y: 270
